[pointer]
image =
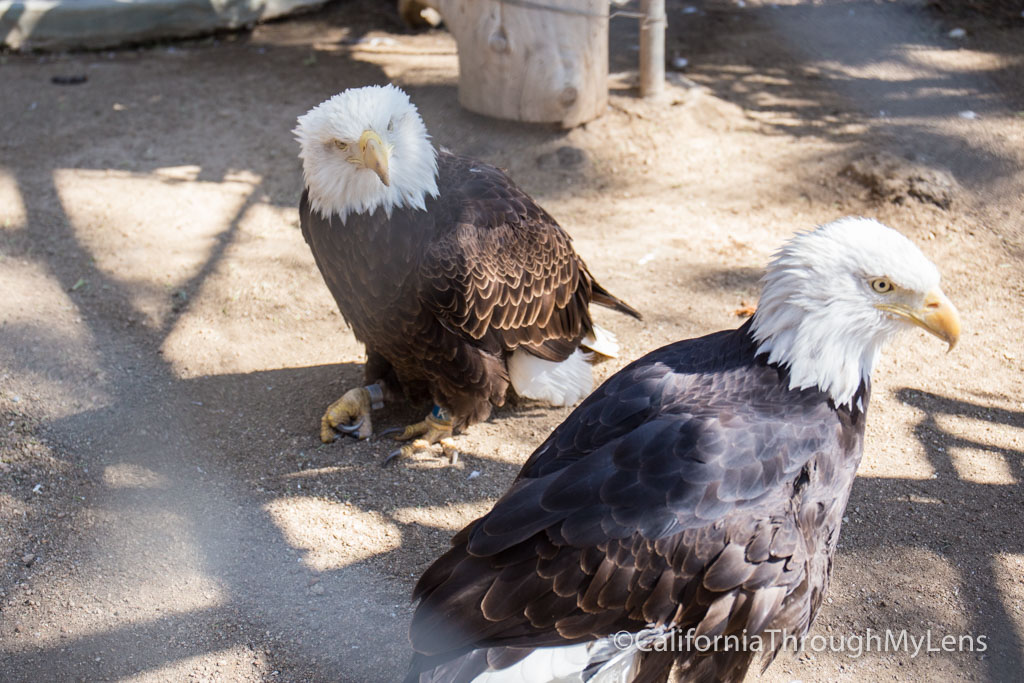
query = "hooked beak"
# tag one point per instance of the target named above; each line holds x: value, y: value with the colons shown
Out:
x: 938, y: 315
x: 374, y: 155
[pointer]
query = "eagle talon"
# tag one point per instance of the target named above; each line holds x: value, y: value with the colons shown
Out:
x: 421, y: 445
x: 449, y: 449
x: 352, y: 428
x: 349, y: 415
x: 414, y: 430
x: 432, y: 430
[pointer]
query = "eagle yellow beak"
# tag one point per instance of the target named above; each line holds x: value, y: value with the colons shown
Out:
x: 375, y: 155
x: 938, y: 315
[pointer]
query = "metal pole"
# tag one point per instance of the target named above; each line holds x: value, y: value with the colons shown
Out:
x: 652, y: 47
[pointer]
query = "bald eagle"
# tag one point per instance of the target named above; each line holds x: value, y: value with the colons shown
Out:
x: 454, y: 279
x: 698, y: 493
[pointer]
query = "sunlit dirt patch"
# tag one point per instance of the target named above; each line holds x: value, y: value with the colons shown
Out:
x: 333, y: 535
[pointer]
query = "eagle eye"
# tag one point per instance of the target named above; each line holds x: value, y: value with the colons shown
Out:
x: 343, y: 146
x: 882, y: 285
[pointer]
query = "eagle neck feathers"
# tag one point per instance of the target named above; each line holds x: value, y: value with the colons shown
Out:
x: 818, y: 348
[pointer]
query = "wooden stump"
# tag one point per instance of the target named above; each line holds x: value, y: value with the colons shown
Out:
x: 528, y: 63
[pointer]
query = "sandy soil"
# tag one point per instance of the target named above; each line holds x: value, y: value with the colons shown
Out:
x: 166, y: 509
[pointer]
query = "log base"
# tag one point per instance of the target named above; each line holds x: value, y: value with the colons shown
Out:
x: 526, y: 63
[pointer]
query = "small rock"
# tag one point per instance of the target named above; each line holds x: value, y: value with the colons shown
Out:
x: 72, y: 79
x: 179, y: 300
x: 28, y: 560
x: 431, y: 16
x: 680, y: 63
x: 570, y: 157
x: 968, y: 114
x: 957, y: 33
x: 317, y: 589
x: 565, y: 157
x: 473, y: 475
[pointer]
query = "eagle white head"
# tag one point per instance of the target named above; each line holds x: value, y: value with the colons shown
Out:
x: 833, y: 296
x: 366, y: 149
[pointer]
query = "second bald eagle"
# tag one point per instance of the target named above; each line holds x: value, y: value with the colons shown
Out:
x: 454, y: 279
x: 686, y: 515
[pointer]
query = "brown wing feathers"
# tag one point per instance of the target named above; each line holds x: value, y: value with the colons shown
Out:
x: 507, y: 271
x: 679, y: 509
x: 562, y: 595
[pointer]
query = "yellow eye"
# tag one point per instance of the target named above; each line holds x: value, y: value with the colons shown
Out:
x: 881, y: 285
x: 343, y: 146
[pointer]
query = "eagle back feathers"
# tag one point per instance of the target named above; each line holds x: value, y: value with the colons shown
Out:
x: 504, y: 269
x: 692, y: 489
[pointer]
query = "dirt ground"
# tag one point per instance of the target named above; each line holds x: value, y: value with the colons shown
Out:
x: 167, y: 345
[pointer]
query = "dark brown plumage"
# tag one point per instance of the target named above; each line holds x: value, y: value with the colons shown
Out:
x: 692, y: 490
x: 441, y: 297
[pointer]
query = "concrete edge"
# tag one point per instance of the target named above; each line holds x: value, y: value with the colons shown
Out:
x: 74, y: 24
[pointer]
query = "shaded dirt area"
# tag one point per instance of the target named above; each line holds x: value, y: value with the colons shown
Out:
x: 167, y: 346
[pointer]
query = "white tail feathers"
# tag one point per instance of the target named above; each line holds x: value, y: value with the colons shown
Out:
x: 560, y: 384
x: 572, y: 664
x: 544, y: 664
x: 602, y: 341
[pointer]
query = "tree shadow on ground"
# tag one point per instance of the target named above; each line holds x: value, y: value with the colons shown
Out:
x: 802, y: 65
x: 228, y: 529
x: 195, y: 435
x: 925, y: 514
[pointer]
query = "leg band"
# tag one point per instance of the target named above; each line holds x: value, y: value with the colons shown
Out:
x: 376, y: 396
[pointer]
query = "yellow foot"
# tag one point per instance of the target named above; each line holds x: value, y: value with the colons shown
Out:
x: 432, y: 430
x: 350, y: 415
